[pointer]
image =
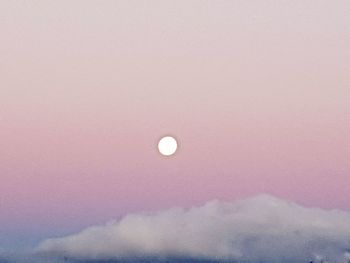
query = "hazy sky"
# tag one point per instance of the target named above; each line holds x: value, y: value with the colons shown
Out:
x: 257, y: 93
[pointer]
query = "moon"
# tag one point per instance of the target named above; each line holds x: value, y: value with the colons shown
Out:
x: 167, y: 146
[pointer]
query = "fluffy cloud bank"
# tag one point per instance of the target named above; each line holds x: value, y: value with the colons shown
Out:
x: 259, y: 229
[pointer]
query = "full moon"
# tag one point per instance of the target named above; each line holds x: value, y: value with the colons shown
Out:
x: 167, y: 146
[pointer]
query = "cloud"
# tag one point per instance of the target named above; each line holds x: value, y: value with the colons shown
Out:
x: 259, y: 229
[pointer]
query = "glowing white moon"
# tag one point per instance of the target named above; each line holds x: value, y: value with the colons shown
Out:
x: 167, y: 145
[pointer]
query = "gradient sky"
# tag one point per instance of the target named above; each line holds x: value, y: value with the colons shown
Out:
x: 257, y: 93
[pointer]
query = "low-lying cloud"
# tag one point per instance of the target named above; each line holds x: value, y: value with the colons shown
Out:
x: 259, y: 229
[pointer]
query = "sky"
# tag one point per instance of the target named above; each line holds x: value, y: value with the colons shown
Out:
x: 256, y: 92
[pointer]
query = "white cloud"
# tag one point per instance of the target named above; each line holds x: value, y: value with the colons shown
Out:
x: 262, y: 228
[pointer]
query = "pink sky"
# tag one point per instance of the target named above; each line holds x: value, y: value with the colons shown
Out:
x: 257, y: 93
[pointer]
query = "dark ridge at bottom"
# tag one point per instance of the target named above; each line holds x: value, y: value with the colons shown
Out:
x: 150, y: 260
